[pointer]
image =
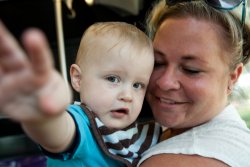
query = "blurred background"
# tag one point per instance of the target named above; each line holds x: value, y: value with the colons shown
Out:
x: 64, y: 22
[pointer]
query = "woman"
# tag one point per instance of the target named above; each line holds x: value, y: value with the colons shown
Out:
x: 198, y: 60
x: 199, y: 56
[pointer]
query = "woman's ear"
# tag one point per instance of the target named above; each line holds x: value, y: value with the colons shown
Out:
x: 234, y: 76
x: 75, y: 76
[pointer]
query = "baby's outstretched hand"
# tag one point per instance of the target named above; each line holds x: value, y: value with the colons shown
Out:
x: 30, y: 87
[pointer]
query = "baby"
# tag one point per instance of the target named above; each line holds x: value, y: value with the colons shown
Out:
x: 113, y: 67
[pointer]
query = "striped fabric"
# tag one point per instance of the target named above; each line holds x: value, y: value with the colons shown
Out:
x: 126, y: 145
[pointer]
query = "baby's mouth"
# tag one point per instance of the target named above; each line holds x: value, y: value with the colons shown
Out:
x: 122, y: 111
x: 118, y: 113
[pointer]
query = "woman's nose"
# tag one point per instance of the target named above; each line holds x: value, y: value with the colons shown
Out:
x: 168, y: 80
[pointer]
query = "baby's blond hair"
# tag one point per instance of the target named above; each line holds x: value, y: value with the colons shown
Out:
x: 120, y: 31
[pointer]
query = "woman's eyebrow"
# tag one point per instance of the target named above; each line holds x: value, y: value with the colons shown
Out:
x: 158, y: 52
x: 193, y: 58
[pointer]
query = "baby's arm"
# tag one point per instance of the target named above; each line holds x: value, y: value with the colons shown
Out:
x: 32, y: 92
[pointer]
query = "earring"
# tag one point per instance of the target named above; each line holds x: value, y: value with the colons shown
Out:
x: 230, y: 87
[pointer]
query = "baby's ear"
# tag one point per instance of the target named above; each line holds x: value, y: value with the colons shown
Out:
x: 75, y: 75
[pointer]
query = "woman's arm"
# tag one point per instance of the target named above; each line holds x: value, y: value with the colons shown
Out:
x: 181, y: 160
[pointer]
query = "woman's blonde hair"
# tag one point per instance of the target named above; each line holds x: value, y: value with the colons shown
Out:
x: 235, y: 37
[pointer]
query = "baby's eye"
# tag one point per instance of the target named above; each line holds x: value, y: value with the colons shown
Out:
x: 113, y: 79
x: 138, y: 86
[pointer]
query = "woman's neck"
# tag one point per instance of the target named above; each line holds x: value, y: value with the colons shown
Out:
x: 170, y: 132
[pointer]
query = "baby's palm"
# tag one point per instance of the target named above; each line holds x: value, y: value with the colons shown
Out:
x: 30, y: 87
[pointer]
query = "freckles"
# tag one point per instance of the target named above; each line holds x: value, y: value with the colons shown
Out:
x: 154, y: 77
x: 151, y: 84
x: 199, y: 85
x: 199, y: 88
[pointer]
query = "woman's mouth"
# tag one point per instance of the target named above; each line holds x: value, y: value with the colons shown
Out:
x: 169, y: 101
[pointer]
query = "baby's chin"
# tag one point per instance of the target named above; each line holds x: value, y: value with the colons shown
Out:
x: 117, y: 126
x: 114, y: 122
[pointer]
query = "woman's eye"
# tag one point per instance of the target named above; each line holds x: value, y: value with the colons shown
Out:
x: 113, y: 79
x: 138, y: 86
x: 191, y: 71
x: 158, y: 64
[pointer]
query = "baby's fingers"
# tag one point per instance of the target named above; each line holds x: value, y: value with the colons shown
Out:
x: 11, y: 55
x: 38, y: 49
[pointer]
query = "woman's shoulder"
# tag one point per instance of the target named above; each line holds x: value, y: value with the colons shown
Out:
x: 226, y: 127
x: 229, y: 115
x: 181, y: 160
x: 225, y: 138
x: 224, y: 146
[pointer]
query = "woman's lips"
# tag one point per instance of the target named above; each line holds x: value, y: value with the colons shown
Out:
x: 170, y: 101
